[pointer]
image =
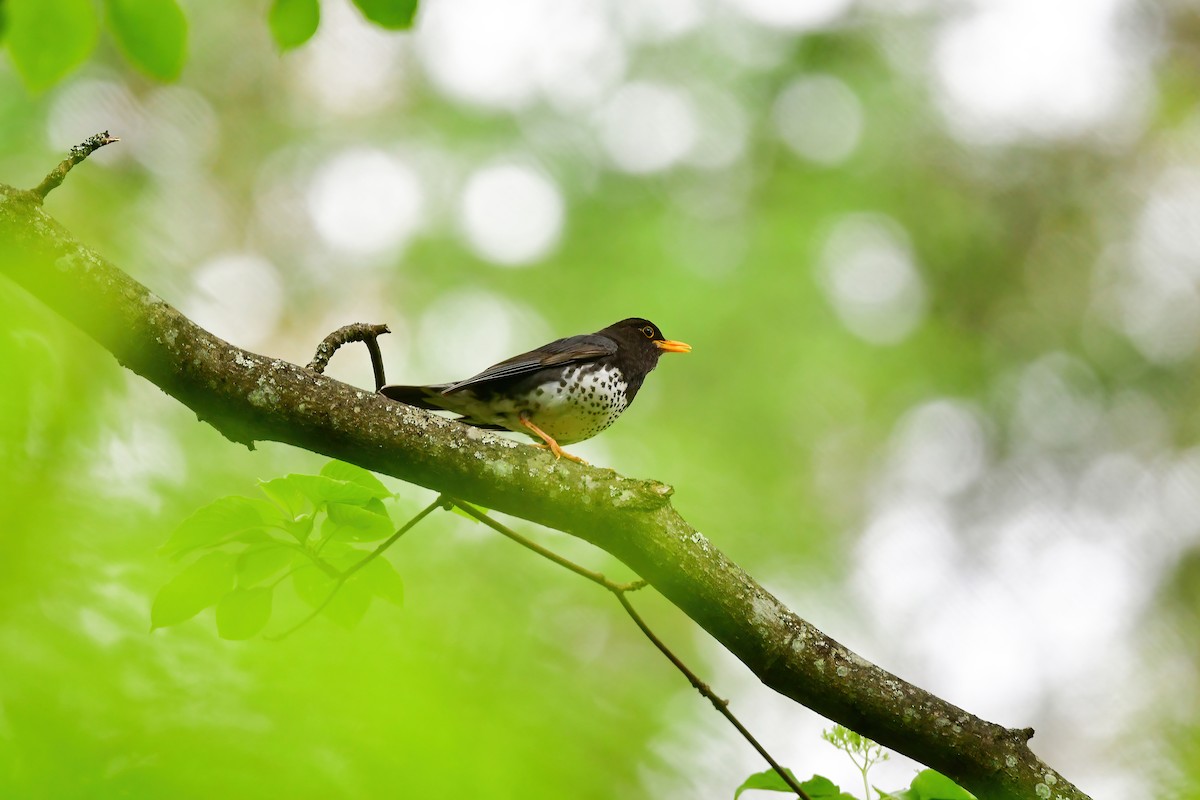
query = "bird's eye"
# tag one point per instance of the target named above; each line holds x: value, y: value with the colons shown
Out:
x: 649, y: 331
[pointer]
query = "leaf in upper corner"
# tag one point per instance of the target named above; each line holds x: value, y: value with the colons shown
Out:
x: 221, y: 521
x: 242, y: 613
x: 200, y: 585
x: 152, y: 34
x: 391, y: 14
x: 48, y: 38
x: 293, y: 22
x: 932, y: 785
x: 341, y: 471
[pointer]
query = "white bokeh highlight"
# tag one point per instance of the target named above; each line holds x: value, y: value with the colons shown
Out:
x: 237, y: 296
x: 819, y: 118
x: 1156, y: 298
x: 351, y: 67
x: 511, y: 214
x: 869, y: 276
x: 1027, y: 68
x: 510, y: 55
x: 792, y: 15
x: 366, y: 202
x: 462, y: 332
x: 939, y: 448
x: 648, y: 127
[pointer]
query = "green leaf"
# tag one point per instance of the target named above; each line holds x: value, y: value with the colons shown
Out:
x: 348, y: 605
x: 263, y: 563
x: 318, y: 490
x: 221, y: 521
x: 152, y: 34
x: 293, y: 22
x: 341, y: 471
x: 932, y: 785
x: 242, y: 613
x: 312, y: 585
x: 767, y: 779
x: 393, y: 14
x: 356, y: 523
x: 287, y: 494
x: 300, y: 527
x: 200, y: 585
x: 381, y: 579
x: 49, y: 38
x: 817, y: 787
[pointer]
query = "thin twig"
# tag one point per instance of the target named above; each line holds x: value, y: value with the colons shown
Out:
x: 78, y: 153
x: 619, y: 590
x: 441, y: 500
x: 703, y: 688
x: 345, y: 575
x: 594, y: 577
x: 372, y: 344
x: 358, y: 332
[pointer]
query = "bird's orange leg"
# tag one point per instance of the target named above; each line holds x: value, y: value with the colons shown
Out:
x: 550, y: 444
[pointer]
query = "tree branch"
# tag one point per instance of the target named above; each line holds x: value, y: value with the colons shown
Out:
x: 251, y: 397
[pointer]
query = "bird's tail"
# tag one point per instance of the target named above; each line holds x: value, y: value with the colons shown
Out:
x: 418, y: 396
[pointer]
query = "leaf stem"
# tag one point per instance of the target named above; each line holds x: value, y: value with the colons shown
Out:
x: 619, y: 590
x: 340, y: 578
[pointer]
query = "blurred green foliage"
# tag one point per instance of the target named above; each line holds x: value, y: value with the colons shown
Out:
x: 784, y: 432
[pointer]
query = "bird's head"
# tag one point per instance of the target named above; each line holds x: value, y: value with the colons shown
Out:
x: 643, y: 337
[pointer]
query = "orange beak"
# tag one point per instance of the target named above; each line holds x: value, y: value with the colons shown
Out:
x: 669, y: 346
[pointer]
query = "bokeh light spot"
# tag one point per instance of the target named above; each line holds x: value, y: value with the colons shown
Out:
x: 238, y: 297
x: 792, y: 15
x: 868, y: 274
x: 648, y: 127
x: 366, y: 201
x: 511, y: 214
x: 820, y: 118
x: 465, y: 331
x: 1026, y: 67
x: 507, y: 55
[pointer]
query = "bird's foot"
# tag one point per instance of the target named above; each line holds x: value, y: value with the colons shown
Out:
x: 549, y: 443
x: 553, y: 447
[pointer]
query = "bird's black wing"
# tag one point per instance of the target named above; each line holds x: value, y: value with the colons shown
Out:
x: 556, y: 353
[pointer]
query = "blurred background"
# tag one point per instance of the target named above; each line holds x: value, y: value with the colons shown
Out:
x: 940, y: 265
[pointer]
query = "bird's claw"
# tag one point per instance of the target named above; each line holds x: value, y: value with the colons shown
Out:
x: 560, y: 453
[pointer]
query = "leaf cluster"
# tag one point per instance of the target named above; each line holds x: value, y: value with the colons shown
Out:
x: 309, y: 530
x: 927, y: 784
x: 48, y: 39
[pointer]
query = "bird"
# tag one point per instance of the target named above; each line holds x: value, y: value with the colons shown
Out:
x: 560, y: 393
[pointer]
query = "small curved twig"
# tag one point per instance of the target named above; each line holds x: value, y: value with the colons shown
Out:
x: 358, y: 332
x: 78, y: 153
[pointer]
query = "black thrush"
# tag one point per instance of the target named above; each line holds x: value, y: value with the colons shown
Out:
x: 562, y: 392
